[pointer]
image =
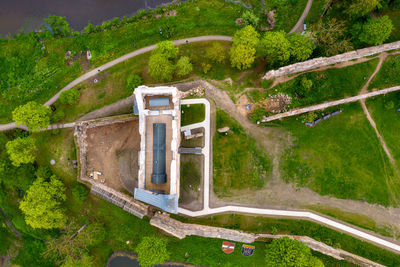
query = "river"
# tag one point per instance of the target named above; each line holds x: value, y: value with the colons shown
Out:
x: 15, y: 14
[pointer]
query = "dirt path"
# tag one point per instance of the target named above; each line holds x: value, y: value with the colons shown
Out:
x: 278, y: 194
x: 299, y: 25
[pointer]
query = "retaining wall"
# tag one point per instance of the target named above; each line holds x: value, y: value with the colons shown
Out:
x: 325, y: 61
x: 181, y: 230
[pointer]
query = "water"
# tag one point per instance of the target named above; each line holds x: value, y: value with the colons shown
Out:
x: 124, y: 261
x: 15, y: 14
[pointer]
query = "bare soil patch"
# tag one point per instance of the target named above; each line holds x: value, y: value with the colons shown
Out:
x: 112, y: 149
x: 191, y: 182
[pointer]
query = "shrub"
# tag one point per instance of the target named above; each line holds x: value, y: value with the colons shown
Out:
x: 206, y: 67
x: 133, y: 81
x: 249, y: 18
x: 152, y: 250
x: 183, y: 66
x: 57, y: 116
x: 306, y: 83
x: 216, y: 52
x: 79, y: 192
x: 69, y: 97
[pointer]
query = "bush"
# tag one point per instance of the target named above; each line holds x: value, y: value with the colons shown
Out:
x: 152, y: 250
x: 69, y: 97
x: 79, y: 192
x: 216, y: 52
x: 57, y: 116
x: 306, y: 83
x: 249, y: 18
x: 133, y: 81
x: 183, y: 66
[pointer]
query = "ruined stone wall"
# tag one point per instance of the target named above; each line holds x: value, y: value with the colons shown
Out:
x: 124, y: 201
x: 325, y: 61
x: 181, y: 230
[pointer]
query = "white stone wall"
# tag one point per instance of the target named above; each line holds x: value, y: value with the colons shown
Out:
x: 325, y: 61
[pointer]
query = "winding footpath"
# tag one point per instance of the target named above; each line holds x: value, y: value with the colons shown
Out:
x: 92, y: 73
x: 299, y: 25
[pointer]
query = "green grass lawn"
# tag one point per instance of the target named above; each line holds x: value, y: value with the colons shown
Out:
x: 316, y: 11
x: 237, y: 159
x: 190, y: 173
x: 388, y: 75
x: 288, y: 12
x: 193, y: 113
x: 387, y: 120
x: 341, y: 157
x: 259, y: 224
x: 327, y: 85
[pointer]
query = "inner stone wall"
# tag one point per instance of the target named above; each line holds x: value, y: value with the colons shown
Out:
x: 325, y: 61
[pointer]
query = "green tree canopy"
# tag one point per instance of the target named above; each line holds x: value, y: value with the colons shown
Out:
x: 183, y: 66
x: 160, y: 68
x: 21, y: 150
x: 33, y: 115
x: 152, y: 250
x: 42, y: 204
x: 286, y: 252
x: 58, y: 26
x: 242, y: 56
x: 359, y: 8
x: 247, y: 36
x: 275, y: 46
x: 301, y: 47
x: 69, y: 97
x: 376, y: 31
x: 249, y: 18
x: 216, y: 52
x: 166, y: 48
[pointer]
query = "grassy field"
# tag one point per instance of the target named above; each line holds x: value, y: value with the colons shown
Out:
x: 288, y: 12
x: 341, y: 157
x: 388, y: 75
x: 258, y: 224
x: 193, y: 113
x: 387, y: 120
x: 190, y: 174
x: 238, y: 161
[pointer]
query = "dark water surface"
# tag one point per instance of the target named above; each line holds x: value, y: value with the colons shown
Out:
x: 125, y: 261
x: 15, y: 14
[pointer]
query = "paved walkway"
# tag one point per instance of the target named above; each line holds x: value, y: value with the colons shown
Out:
x: 329, y: 104
x: 299, y: 25
x: 206, y: 124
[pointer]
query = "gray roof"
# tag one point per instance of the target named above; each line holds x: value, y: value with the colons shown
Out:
x: 169, y: 203
x: 158, y: 176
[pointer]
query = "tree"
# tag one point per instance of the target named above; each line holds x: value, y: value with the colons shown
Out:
x: 359, y: 8
x: 330, y: 36
x: 21, y: 150
x: 33, y: 115
x: 216, y: 52
x: 42, y: 204
x: 376, y: 31
x: 89, y: 28
x: 247, y: 36
x: 183, y: 66
x: 301, y: 47
x: 58, y: 26
x: 71, y: 245
x: 291, y: 253
x: 275, y: 46
x: 249, y: 18
x: 243, y: 49
x: 160, y: 68
x: 70, y: 97
x: 84, y: 261
x: 152, y: 250
x: 242, y: 56
x: 57, y: 116
x: 133, y: 81
x: 166, y: 48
